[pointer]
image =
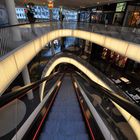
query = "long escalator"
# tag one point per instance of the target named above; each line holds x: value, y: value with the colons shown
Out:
x: 65, y: 120
x: 73, y: 108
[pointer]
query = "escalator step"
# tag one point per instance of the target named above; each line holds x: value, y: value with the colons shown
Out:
x: 65, y: 108
x: 69, y: 103
x: 65, y: 116
x: 65, y: 127
x: 45, y: 136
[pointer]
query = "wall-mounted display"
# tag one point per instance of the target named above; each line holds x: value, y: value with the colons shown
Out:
x: 20, y: 12
x: 70, y: 15
x: 85, y: 16
x: 42, y: 12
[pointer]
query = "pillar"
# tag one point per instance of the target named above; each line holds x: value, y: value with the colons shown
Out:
x: 10, y: 6
x: 51, y: 17
x: 125, y: 18
x: 26, y: 78
x: 51, y: 43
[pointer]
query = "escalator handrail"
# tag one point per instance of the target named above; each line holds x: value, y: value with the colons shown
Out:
x: 8, y: 97
x: 130, y: 107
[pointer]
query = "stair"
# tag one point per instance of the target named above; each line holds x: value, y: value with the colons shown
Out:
x: 65, y: 121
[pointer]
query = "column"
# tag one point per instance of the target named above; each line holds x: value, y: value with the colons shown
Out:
x: 51, y: 17
x: 26, y: 78
x: 51, y: 43
x: 125, y: 18
x: 10, y: 6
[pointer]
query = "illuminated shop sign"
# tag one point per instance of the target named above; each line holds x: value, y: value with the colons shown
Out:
x: 121, y: 7
x: 94, y: 9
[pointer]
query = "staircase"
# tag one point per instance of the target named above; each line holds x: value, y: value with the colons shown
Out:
x: 65, y: 121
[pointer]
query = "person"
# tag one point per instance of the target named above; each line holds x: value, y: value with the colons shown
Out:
x: 31, y: 19
x: 30, y: 16
x: 115, y: 20
x: 63, y: 17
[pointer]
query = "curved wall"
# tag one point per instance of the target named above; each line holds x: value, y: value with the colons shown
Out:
x: 13, y: 63
x: 75, y: 63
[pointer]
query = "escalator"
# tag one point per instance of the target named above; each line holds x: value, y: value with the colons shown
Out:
x: 70, y: 118
x: 73, y: 108
x: 65, y: 120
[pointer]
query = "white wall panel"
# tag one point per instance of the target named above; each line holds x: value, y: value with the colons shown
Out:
x: 133, y: 52
x: 8, y: 71
x: 116, y: 45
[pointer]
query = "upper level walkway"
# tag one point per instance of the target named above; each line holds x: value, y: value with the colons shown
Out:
x: 23, y: 43
x: 10, y: 41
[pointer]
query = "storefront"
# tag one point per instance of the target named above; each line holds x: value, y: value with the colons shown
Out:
x: 114, y: 58
x: 96, y: 17
x: 85, y: 16
x: 133, y: 19
x: 132, y: 16
x: 70, y: 15
x: 113, y: 13
x: 101, y: 13
x: 119, y: 13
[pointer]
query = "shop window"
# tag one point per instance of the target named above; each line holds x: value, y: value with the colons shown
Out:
x: 134, y: 19
x: 114, y: 58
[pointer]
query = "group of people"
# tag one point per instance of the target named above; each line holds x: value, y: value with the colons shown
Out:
x: 31, y: 15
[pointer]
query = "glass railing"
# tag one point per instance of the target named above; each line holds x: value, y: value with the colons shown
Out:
x: 15, y: 36
x: 16, y: 109
x: 115, y: 122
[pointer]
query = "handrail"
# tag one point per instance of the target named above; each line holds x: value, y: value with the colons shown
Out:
x: 33, y: 124
x: 101, y: 24
x: 132, y: 108
x: 26, y: 23
x: 8, y: 97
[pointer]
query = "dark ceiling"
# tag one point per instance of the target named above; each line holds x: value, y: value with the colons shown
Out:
x: 74, y: 4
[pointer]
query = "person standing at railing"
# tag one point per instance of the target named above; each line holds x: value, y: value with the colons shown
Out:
x: 31, y: 18
x: 61, y: 18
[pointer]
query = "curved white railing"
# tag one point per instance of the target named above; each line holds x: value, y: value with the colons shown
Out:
x: 12, y: 64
